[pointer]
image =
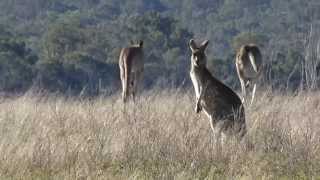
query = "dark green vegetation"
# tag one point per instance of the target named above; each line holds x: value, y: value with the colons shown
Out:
x: 73, y: 45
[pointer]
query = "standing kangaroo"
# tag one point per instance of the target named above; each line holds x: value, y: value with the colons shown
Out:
x: 249, y: 66
x: 223, y: 106
x: 131, y: 63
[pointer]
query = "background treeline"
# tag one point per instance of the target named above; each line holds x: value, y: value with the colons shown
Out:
x: 72, y: 46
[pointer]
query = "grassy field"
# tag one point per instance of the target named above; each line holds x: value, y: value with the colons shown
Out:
x: 51, y: 137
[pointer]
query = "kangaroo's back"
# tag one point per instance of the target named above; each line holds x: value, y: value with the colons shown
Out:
x: 249, y: 60
x: 131, y: 63
x: 249, y: 68
x: 132, y: 57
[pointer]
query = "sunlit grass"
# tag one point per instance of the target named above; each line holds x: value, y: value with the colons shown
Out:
x: 160, y: 137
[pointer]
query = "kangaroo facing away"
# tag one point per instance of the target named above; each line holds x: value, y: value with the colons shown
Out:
x: 221, y: 104
x: 131, y: 63
x: 249, y: 67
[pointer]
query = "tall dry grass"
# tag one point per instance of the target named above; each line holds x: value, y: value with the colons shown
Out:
x: 160, y: 137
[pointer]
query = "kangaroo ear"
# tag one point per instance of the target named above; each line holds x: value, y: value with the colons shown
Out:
x: 140, y: 43
x: 192, y: 45
x: 204, y: 45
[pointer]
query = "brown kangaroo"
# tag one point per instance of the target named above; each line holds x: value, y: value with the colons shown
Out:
x: 131, y: 63
x: 221, y: 104
x: 249, y: 67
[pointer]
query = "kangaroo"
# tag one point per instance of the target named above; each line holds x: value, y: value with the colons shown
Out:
x: 131, y: 63
x: 221, y: 104
x: 249, y: 67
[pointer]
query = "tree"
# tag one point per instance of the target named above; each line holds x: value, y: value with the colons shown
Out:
x: 16, y: 63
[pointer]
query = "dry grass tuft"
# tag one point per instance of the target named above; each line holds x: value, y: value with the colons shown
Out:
x: 50, y: 137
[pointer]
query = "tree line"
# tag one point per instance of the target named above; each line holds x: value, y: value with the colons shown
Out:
x: 73, y: 45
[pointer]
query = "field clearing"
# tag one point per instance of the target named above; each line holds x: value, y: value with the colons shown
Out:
x: 51, y: 137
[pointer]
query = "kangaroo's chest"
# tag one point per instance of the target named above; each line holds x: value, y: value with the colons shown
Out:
x: 197, y: 81
x: 137, y: 64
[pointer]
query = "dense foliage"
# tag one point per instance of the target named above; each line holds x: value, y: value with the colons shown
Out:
x: 73, y: 45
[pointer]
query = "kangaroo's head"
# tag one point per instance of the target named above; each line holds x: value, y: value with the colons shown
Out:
x: 139, y: 44
x: 198, y: 56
